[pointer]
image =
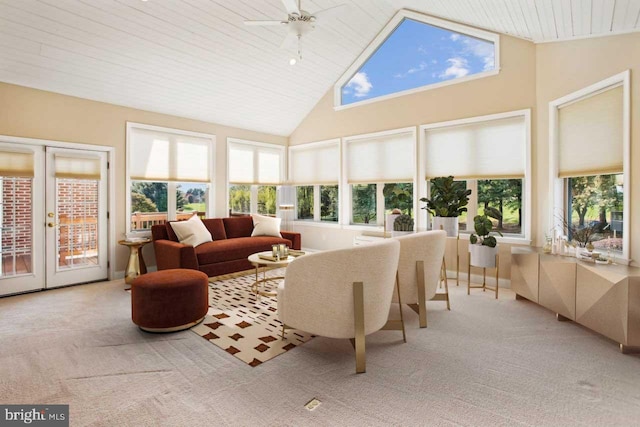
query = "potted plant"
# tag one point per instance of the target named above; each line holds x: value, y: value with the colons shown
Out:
x: 483, y: 246
x: 403, y: 224
x: 447, y: 202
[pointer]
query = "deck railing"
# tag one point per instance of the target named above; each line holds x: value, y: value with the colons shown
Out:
x: 144, y: 220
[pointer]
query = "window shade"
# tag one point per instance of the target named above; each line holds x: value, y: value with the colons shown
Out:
x: 312, y: 164
x: 16, y: 164
x: 590, y: 135
x: 77, y: 167
x: 255, y: 164
x: 484, y: 150
x: 165, y: 156
x: 381, y: 159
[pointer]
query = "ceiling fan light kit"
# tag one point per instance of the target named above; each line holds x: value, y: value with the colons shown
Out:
x: 298, y: 22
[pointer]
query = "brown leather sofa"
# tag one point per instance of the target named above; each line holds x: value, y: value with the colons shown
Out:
x: 232, y: 244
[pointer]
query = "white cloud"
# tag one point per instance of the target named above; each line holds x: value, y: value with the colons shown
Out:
x: 360, y: 84
x: 481, y: 49
x: 454, y: 37
x: 458, y: 67
x: 422, y: 50
x: 420, y: 67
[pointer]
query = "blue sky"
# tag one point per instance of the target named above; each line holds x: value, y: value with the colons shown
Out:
x: 414, y: 55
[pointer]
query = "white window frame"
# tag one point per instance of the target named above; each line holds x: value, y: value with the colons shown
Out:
x: 316, y: 187
x: 423, y: 218
x: 171, y: 186
x: 556, y: 184
x: 253, y: 204
x: 387, y: 31
x: 346, y: 207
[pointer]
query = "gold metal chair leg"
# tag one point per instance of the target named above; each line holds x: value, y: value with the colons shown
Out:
x: 469, y: 277
x: 404, y: 335
x: 422, y: 295
x: 446, y: 283
x: 358, y: 310
x: 497, y: 270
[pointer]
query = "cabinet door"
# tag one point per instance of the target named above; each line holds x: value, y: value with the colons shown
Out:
x: 524, y: 275
x: 558, y: 285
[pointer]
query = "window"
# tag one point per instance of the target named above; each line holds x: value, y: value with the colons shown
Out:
x: 254, y: 170
x: 169, y: 175
x: 414, y: 52
x: 590, y: 153
x: 491, y: 154
x: 314, y: 170
x: 380, y: 173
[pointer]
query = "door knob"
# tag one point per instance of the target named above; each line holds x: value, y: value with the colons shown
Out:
x: 51, y: 214
x: 51, y: 224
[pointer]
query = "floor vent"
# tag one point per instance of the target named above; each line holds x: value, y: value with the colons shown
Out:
x: 312, y: 404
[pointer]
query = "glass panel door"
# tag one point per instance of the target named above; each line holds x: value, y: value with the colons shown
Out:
x: 76, y: 217
x: 20, y: 268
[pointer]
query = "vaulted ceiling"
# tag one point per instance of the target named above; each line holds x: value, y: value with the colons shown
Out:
x: 197, y: 59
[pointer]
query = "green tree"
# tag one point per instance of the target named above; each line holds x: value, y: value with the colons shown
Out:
x: 399, y: 195
x: 267, y: 200
x: 304, y: 196
x: 240, y: 198
x: 364, y: 203
x: 500, y: 193
x: 583, y: 196
x: 141, y: 203
x: 181, y: 199
x: 329, y: 203
x: 154, y: 191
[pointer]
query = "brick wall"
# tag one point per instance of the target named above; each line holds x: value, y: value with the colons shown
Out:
x: 16, y: 215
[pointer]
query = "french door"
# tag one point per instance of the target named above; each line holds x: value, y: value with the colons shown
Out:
x: 53, y: 217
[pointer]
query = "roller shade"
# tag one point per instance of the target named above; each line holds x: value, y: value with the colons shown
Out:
x: 255, y: 164
x: 165, y: 156
x: 77, y: 167
x: 492, y: 149
x: 381, y: 159
x: 590, y: 135
x: 315, y: 164
x: 16, y: 164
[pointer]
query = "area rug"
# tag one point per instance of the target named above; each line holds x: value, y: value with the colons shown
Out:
x: 244, y: 324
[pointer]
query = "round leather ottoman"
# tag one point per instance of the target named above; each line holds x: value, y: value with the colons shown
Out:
x: 169, y: 300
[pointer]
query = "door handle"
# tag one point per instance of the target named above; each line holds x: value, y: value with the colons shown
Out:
x: 52, y: 224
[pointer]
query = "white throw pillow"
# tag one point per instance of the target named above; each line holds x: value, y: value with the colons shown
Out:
x: 192, y: 231
x: 266, y: 226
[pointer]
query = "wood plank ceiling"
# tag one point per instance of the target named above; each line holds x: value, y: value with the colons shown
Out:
x: 196, y: 58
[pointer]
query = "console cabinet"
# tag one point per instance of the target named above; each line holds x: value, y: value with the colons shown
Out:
x: 603, y: 298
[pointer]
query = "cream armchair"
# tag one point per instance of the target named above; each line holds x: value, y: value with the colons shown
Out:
x: 420, y: 270
x: 343, y: 293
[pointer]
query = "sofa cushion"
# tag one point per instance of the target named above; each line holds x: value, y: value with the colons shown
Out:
x: 238, y: 226
x: 265, y: 226
x: 235, y: 249
x: 191, y: 232
x: 215, y: 227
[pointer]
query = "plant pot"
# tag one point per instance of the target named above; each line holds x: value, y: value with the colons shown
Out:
x: 483, y: 256
x: 400, y: 233
x: 446, y: 223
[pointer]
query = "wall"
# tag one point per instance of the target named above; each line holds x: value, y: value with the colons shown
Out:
x: 512, y: 89
x: 565, y: 67
x: 32, y: 113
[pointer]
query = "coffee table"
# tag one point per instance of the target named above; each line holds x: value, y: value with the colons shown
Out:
x: 265, y: 264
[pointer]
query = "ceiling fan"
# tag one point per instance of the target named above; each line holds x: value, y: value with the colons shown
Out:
x: 298, y: 23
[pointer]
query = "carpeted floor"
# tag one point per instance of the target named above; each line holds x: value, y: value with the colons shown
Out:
x: 485, y: 363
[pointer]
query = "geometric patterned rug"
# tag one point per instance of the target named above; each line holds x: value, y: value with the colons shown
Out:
x: 244, y: 324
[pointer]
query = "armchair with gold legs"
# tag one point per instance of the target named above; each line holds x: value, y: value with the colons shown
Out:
x: 420, y: 269
x: 343, y: 293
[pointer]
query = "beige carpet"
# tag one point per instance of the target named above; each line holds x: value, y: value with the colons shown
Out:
x: 484, y: 363
x: 244, y: 325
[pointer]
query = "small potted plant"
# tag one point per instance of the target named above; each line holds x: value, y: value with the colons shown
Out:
x: 403, y: 224
x: 483, y: 246
x: 447, y: 202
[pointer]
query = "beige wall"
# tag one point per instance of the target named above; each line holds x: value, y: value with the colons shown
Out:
x: 34, y: 113
x: 563, y: 68
x: 512, y: 89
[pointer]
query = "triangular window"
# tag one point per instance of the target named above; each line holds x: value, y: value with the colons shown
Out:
x: 414, y: 52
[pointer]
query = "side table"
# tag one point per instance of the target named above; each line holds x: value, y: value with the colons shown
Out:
x: 136, y: 265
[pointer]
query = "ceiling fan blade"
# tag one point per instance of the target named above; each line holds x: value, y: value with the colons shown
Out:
x: 291, y: 40
x: 291, y: 6
x: 265, y: 22
x: 330, y: 11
